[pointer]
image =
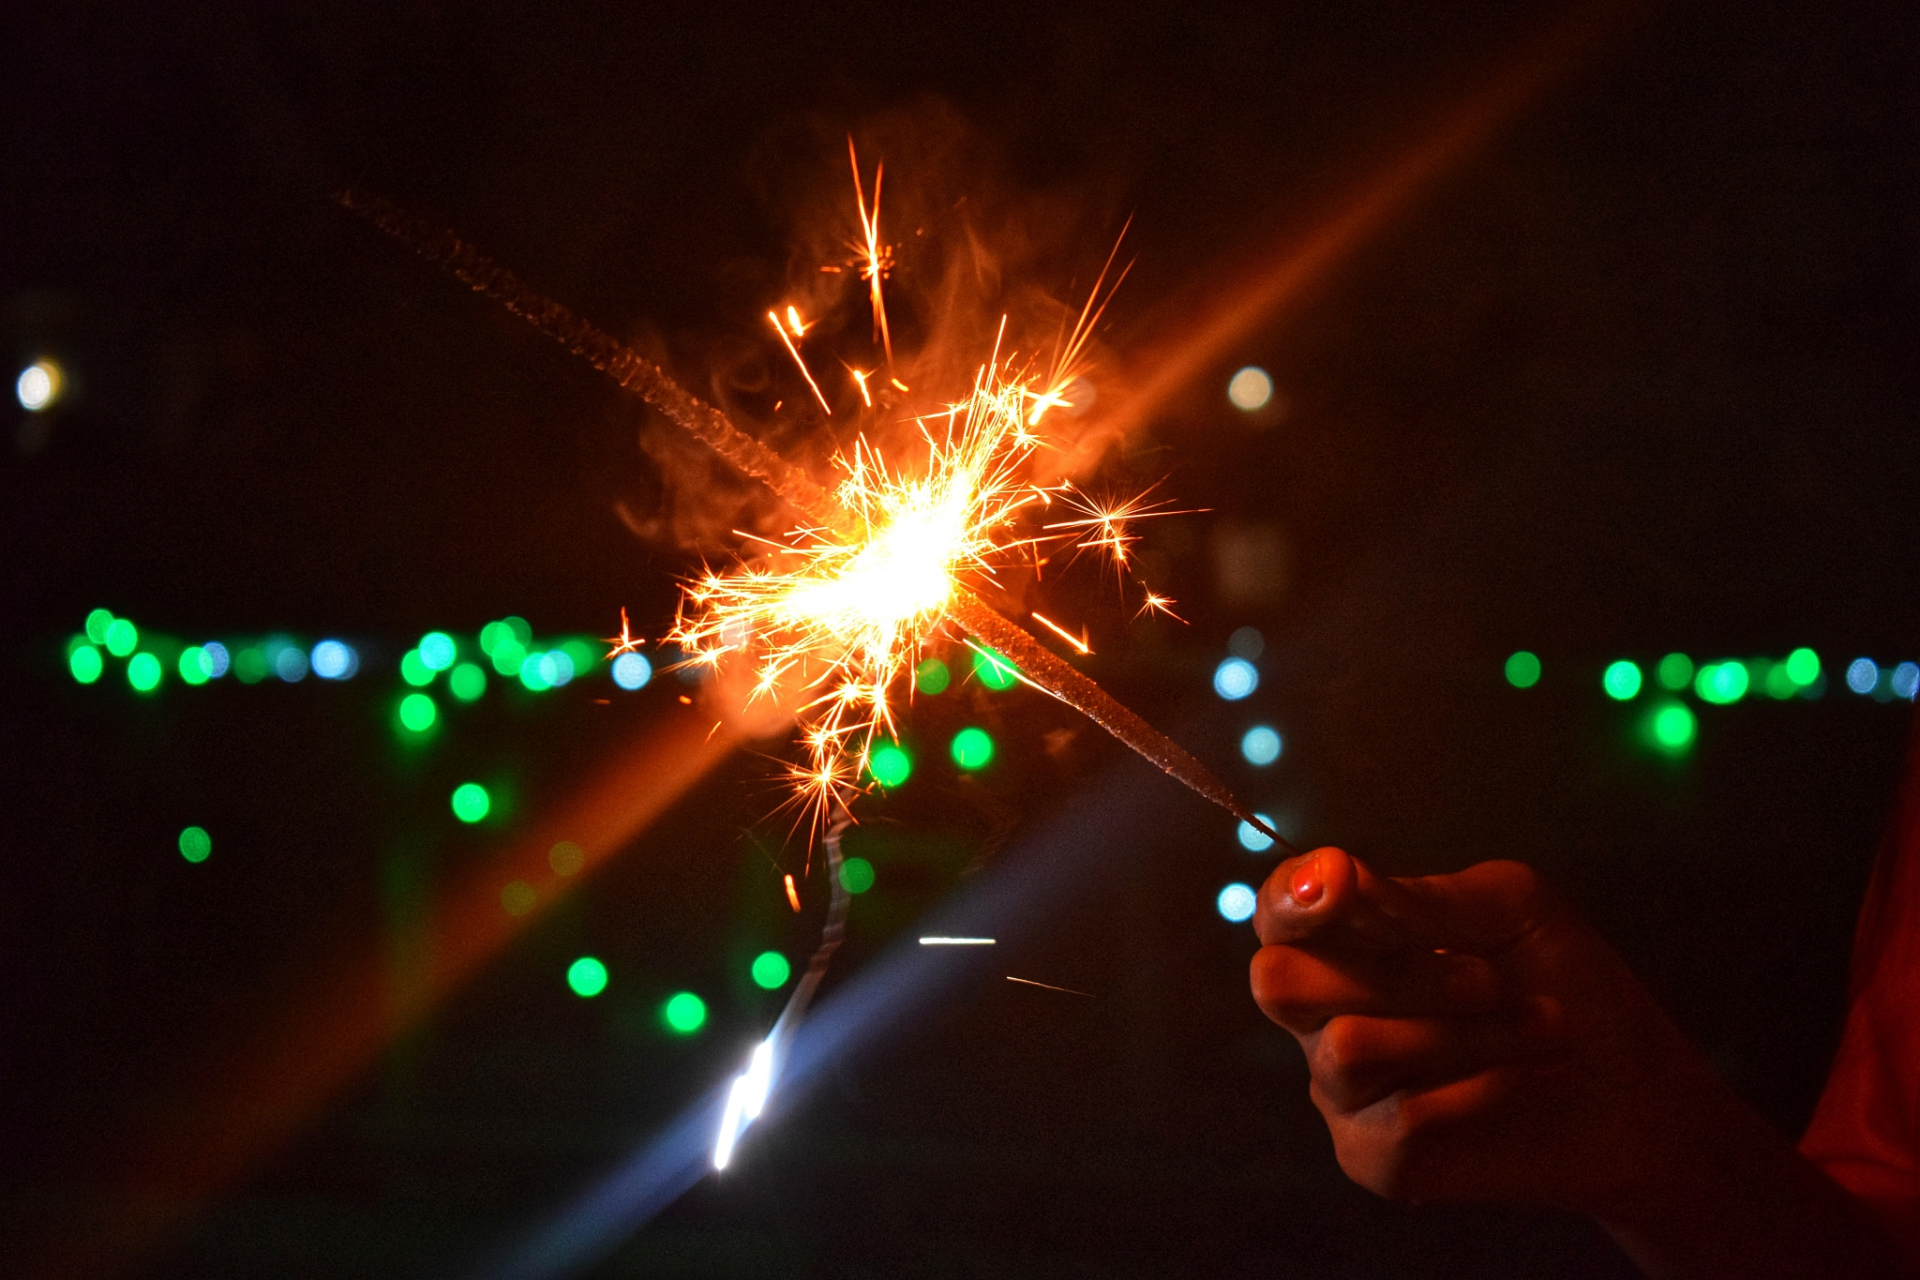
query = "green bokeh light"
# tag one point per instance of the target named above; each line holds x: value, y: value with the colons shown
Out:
x: 1780, y: 682
x: 588, y: 978
x: 856, y: 875
x: 1622, y: 680
x: 468, y: 681
x: 585, y: 654
x: 531, y: 675
x: 932, y: 677
x: 1675, y: 672
x: 143, y: 672
x: 771, y: 970
x: 972, y: 748
x: 1672, y: 727
x: 193, y: 669
x: 195, y: 844
x: 85, y: 663
x: 685, y: 1013
x: 97, y: 623
x: 437, y: 650
x: 993, y: 670
x: 414, y: 669
x: 250, y: 665
x: 122, y: 637
x: 471, y: 802
x: 492, y: 634
x: 1721, y: 683
x: 517, y: 897
x: 1803, y: 666
x: 890, y: 765
x: 1523, y: 669
x: 507, y: 656
x: 418, y: 712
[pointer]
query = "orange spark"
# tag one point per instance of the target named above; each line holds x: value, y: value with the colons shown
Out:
x: 875, y: 257
x: 793, y: 894
x: 794, y: 351
x: 1060, y: 631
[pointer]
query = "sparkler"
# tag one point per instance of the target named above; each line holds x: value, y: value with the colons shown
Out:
x: 878, y: 567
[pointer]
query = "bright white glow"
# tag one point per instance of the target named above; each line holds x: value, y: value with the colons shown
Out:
x: 38, y: 385
x: 1236, y: 903
x: 632, y: 671
x: 1250, y: 389
x: 1253, y: 839
x: 759, y: 1080
x: 1906, y: 680
x: 745, y: 1101
x: 1261, y: 745
x: 956, y: 942
x: 556, y: 668
x: 1235, y: 678
x: 333, y: 660
x: 214, y: 659
x: 729, y: 1124
x: 1862, y: 675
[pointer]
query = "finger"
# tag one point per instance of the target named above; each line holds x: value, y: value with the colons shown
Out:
x: 1357, y: 1061
x: 1306, y: 897
x: 1301, y: 989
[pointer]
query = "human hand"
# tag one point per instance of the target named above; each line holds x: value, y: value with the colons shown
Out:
x: 1468, y: 1035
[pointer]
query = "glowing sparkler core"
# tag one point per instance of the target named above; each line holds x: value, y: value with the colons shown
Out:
x: 841, y: 611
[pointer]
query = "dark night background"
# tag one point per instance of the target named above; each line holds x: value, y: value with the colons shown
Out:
x: 1636, y: 376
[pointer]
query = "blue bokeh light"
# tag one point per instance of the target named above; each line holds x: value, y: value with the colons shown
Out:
x: 437, y: 650
x: 1261, y: 745
x: 1236, y: 903
x: 333, y: 660
x: 632, y: 671
x: 1248, y: 643
x: 556, y: 668
x: 290, y: 664
x: 1252, y: 838
x: 214, y: 659
x: 1235, y: 679
x: 1906, y: 680
x: 1862, y: 675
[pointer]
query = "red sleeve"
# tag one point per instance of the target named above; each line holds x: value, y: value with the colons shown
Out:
x: 1866, y: 1130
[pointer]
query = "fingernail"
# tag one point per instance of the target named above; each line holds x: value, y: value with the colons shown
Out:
x: 1307, y: 886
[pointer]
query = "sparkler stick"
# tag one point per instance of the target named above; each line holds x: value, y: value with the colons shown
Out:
x: 612, y: 357
x: 1038, y: 666
x: 1050, y: 674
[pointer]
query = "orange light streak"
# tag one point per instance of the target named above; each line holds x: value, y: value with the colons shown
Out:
x: 876, y: 258
x: 242, y: 1103
x: 794, y: 351
x: 793, y: 894
x: 1060, y: 631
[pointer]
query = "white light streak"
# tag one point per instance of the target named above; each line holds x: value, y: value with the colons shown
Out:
x: 745, y: 1101
x: 956, y: 942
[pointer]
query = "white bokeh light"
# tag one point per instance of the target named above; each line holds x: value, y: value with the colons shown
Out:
x: 1250, y: 389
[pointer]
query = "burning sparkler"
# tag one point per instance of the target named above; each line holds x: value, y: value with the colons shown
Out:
x: 877, y: 568
x: 884, y: 563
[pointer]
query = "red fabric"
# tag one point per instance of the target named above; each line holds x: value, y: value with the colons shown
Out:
x: 1866, y: 1129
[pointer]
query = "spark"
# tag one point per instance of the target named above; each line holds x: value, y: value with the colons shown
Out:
x: 874, y: 256
x: 626, y: 641
x: 938, y: 941
x: 860, y: 380
x: 793, y: 894
x: 793, y: 321
x: 1029, y: 982
x: 794, y: 351
x: 1062, y: 632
